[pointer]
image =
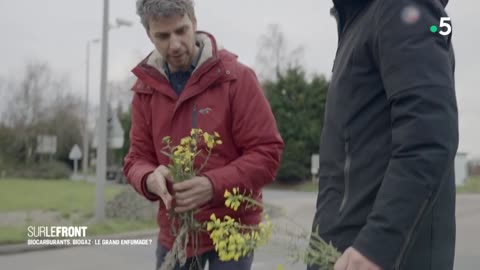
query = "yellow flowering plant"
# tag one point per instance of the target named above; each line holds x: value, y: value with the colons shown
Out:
x: 320, y: 253
x: 185, y: 227
x: 232, y: 239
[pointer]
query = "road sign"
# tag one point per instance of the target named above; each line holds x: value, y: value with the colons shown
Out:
x: 75, y: 153
x: 46, y: 144
x: 315, y: 163
x: 315, y: 160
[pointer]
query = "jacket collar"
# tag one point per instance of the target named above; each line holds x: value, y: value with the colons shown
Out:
x: 213, y: 66
x: 345, y: 11
x: 208, y: 50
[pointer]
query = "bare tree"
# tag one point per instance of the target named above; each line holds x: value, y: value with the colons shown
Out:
x: 25, y: 110
x: 2, y: 86
x: 273, y: 56
x: 3, y: 97
x: 41, y: 104
x: 65, y: 119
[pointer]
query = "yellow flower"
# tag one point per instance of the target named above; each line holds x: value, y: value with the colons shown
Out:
x: 210, y: 145
x: 223, y: 255
x: 228, y: 202
x: 230, y: 255
x: 236, y: 257
x: 206, y: 137
x: 240, y: 240
x: 178, y: 150
x: 209, y: 140
x: 166, y: 140
x: 222, y: 244
x: 231, y: 239
x: 236, y: 205
x: 280, y: 267
x: 185, y: 141
x: 195, y: 131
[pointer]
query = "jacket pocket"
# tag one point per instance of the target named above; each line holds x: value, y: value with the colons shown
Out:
x: 346, y: 175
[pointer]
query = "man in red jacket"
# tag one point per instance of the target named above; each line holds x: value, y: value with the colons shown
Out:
x: 185, y: 83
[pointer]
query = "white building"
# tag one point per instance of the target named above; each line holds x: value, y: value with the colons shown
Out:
x: 461, y: 169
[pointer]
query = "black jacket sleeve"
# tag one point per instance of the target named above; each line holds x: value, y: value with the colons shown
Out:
x: 417, y: 69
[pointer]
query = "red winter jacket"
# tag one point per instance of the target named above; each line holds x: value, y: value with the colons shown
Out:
x: 222, y: 95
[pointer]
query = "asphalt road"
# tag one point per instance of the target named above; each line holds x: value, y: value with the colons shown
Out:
x: 297, y: 205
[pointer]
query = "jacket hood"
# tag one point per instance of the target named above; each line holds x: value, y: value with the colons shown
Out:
x: 156, y: 60
x: 345, y: 10
x: 151, y: 72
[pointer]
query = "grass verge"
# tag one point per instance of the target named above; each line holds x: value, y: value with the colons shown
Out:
x: 63, y: 196
x: 472, y: 185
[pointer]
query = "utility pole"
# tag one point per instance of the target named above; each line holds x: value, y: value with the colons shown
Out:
x: 86, y: 113
x: 102, y: 125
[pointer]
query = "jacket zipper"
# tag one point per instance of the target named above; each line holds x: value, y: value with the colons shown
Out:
x: 194, y: 116
x: 409, y: 236
x: 184, y: 98
x: 346, y: 175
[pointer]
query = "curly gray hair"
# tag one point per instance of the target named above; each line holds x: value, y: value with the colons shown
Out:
x: 164, y: 8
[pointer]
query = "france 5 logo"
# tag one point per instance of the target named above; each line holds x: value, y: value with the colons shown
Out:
x: 445, y: 27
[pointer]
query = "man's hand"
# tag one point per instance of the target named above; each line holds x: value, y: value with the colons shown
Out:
x: 192, y: 193
x: 157, y: 184
x: 351, y: 259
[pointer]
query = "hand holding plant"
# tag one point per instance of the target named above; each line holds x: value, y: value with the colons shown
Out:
x: 191, y: 191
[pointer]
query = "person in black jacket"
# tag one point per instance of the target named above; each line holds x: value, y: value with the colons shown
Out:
x: 386, y: 194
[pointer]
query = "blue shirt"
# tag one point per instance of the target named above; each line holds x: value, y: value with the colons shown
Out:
x: 179, y: 79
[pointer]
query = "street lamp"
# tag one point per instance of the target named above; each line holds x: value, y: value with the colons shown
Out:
x: 87, y: 86
x: 102, y: 123
x: 122, y: 22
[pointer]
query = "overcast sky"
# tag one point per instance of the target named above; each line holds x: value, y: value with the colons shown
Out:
x: 56, y: 31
